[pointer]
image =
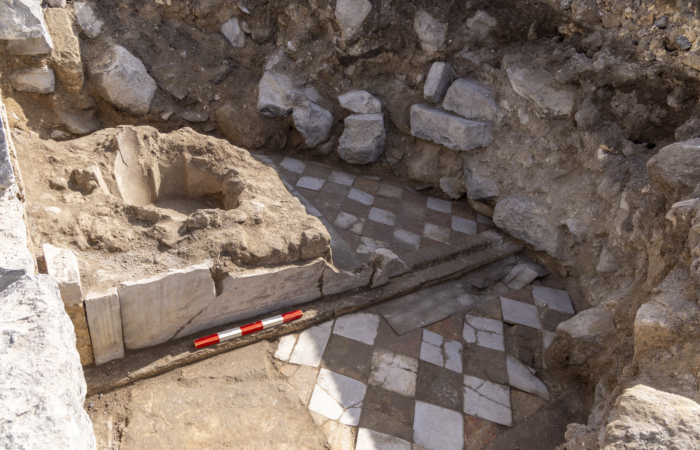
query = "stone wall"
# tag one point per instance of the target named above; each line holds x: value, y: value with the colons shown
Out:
x: 42, y: 388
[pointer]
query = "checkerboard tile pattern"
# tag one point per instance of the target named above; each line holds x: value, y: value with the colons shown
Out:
x: 371, y: 213
x: 447, y: 385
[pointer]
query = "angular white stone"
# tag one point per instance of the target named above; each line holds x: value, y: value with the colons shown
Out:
x: 258, y: 291
x: 520, y: 313
x: 472, y: 100
x: 520, y: 276
x: 373, y: 440
x: 436, y: 233
x: 361, y: 196
x: 342, y: 178
x: 363, y: 138
x: 490, y: 340
x: 437, y: 81
x: 122, y: 80
x: 361, y: 327
x: 322, y: 403
x: 495, y: 412
x: 465, y: 226
x: 437, y: 428
x: 553, y: 299
x: 232, y: 31
x: 22, y: 24
x: 344, y: 390
x: 482, y: 323
x: 449, y: 130
x: 154, y: 310
x: 313, y: 123
x: 453, y: 355
x: 285, y: 347
x: 350, y: 14
x: 432, y: 338
x: 394, y: 372
x: 311, y: 345
x: 351, y: 417
x: 360, y: 102
x: 105, y: 322
x: 471, y: 402
x: 293, y: 165
x: 469, y: 334
x: 276, y: 95
x: 63, y: 266
x: 539, y: 87
x: 438, y: 204
x: 382, y: 216
x: 496, y: 392
x: 40, y: 80
x: 432, y: 354
x: 15, y: 259
x: 88, y: 21
x: 520, y: 376
x: 368, y: 246
x: 385, y: 263
x: 431, y: 32
x: 335, y: 281
x: 481, y: 22
x: 311, y: 183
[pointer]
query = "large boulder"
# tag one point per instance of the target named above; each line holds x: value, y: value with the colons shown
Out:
x: 313, y: 123
x: 675, y: 169
x: 446, y: 129
x: 351, y: 14
x: 647, y: 419
x: 363, y: 139
x: 528, y: 220
x: 22, y: 25
x: 472, y: 100
x: 539, y: 87
x: 65, y: 58
x: 121, y: 79
x: 39, y: 80
x: 431, y: 32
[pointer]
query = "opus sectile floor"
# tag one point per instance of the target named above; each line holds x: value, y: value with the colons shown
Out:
x: 370, y: 213
x: 455, y: 384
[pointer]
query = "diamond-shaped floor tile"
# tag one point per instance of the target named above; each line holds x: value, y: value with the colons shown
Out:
x: 437, y: 428
x: 520, y: 313
x: 293, y: 165
x: 552, y: 298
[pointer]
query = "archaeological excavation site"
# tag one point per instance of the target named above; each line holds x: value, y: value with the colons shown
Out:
x: 350, y: 224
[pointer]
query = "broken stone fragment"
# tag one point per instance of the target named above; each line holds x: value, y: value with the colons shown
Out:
x: 276, y: 95
x: 675, y: 169
x: 313, y: 123
x: 577, y: 229
x: 40, y: 80
x: 539, y: 87
x: 431, y: 32
x: 87, y: 19
x: 122, y: 80
x: 446, y: 129
x: 437, y: 82
x: 472, y: 100
x: 194, y: 116
x: 351, y: 14
x: 479, y: 187
x: 105, y: 322
x: 385, y: 262
x: 65, y: 57
x: 528, y: 220
x: 363, y: 139
x: 360, y: 102
x: 583, y: 336
x: 481, y: 22
x: 607, y: 262
x: 314, y: 243
x: 23, y: 26
x: 233, y: 32
x: 89, y: 179
x: 453, y: 186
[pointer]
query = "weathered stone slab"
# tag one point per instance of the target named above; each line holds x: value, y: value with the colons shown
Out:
x: 105, y: 323
x: 22, y: 25
x: 335, y: 281
x: 313, y: 123
x: 472, y: 100
x: 256, y: 292
x: 156, y: 309
x: 363, y: 139
x: 39, y: 80
x: 43, y: 387
x: 63, y: 266
x: 539, y: 87
x: 437, y: 81
x: 65, y: 57
x: 360, y: 102
x: 446, y: 129
x: 276, y: 95
x: 527, y: 219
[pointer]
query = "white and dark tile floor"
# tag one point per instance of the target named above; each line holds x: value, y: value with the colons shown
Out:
x: 456, y: 383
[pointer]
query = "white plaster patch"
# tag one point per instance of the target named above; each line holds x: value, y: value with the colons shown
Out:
x: 293, y: 165
x: 436, y: 233
x: 368, y: 246
x: 453, y: 356
x: 345, y: 221
x: 408, y: 238
x: 360, y: 327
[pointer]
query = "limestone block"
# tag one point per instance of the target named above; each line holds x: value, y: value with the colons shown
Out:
x: 363, y: 139
x: 63, y: 266
x: 43, y: 387
x: 156, y: 309
x: 40, y: 80
x: 437, y: 82
x: 675, y: 169
x: 539, y: 87
x: 313, y: 123
x: 446, y: 129
x: 472, y: 100
x: 528, y: 220
x: 385, y: 262
x: 122, y: 80
x: 360, y: 102
x: 584, y: 334
x: 65, y: 57
x: 232, y: 30
x: 335, y: 281
x: 646, y: 418
x: 87, y: 19
x: 478, y: 186
x: 256, y: 292
x: 351, y: 14
x: 7, y: 174
x: 22, y: 25
x: 15, y: 259
x: 431, y: 32
x: 276, y: 95
x: 105, y: 323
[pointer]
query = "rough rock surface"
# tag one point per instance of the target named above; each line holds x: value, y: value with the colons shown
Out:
x: 232, y: 30
x: 276, y: 95
x: 437, y: 82
x: 65, y: 57
x: 22, y: 25
x: 42, y: 384
x: 351, y: 14
x: 675, y: 169
x: 313, y: 123
x: 121, y: 79
x: 15, y: 259
x: 362, y: 141
x: 472, y: 100
x: 446, y: 129
x: 360, y: 102
x: 526, y: 218
x: 431, y: 32
x: 88, y: 20
x: 584, y: 334
x: 39, y: 80
x: 538, y: 86
x: 250, y: 131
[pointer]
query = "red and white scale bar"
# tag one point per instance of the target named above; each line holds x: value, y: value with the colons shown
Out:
x: 247, y: 329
